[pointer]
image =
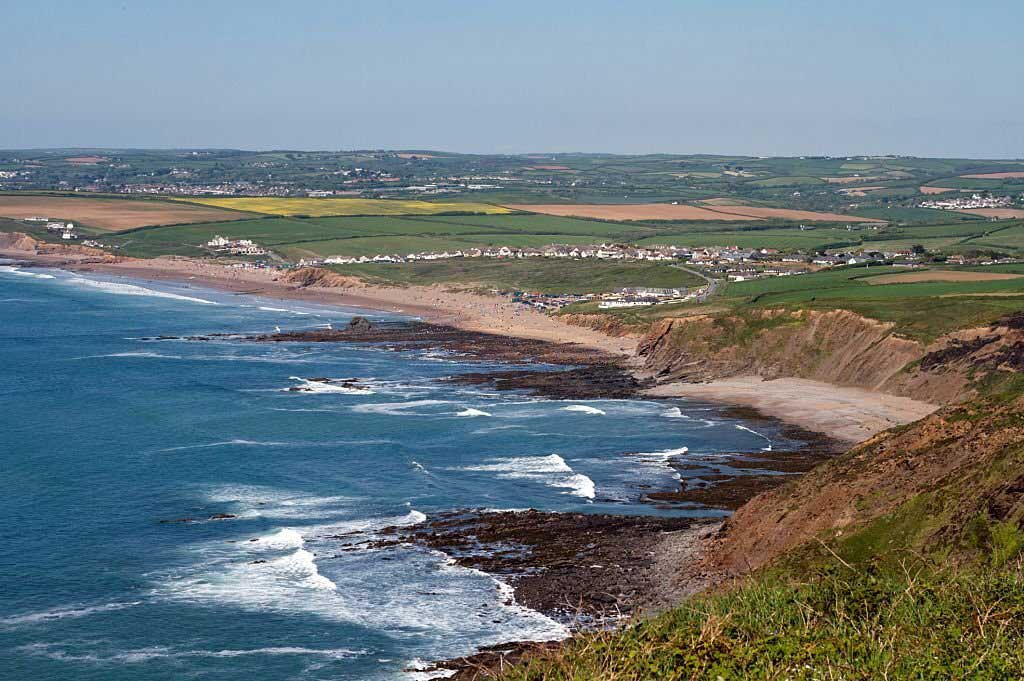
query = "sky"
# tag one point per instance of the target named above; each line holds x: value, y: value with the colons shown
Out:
x: 768, y: 77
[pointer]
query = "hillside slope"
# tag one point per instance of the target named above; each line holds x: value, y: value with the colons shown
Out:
x: 903, y: 558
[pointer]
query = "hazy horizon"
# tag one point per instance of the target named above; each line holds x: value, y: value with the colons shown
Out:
x: 919, y: 79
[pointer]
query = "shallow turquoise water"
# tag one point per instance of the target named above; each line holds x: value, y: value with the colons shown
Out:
x: 102, y: 435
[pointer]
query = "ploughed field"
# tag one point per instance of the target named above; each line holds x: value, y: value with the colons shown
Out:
x: 110, y: 214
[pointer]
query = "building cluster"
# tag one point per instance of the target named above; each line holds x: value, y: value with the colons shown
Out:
x: 220, y: 244
x: 65, y: 230
x: 597, y: 252
x: 215, y: 189
x: 974, y: 201
x: 642, y: 296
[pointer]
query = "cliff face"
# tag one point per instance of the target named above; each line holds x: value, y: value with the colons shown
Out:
x: 940, y: 485
x: 952, y: 482
x: 606, y: 324
x: 837, y: 347
x: 318, y: 276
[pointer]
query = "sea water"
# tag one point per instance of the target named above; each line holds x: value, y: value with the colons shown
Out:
x: 104, y: 434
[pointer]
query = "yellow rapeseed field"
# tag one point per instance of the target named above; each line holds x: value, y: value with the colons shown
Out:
x: 324, y: 207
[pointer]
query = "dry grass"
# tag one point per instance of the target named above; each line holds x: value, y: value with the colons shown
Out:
x: 346, y: 207
x: 939, y: 275
x: 110, y: 214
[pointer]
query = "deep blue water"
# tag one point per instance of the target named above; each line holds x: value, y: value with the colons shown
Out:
x: 102, y: 435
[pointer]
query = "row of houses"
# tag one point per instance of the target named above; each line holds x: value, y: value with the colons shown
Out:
x: 597, y: 252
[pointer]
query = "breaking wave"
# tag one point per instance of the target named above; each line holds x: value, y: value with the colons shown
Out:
x: 472, y: 412
x: 584, y: 409
x: 328, y: 386
x: 118, y: 288
x: 10, y: 269
x: 551, y: 470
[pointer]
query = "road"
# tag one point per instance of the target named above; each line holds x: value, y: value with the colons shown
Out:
x: 712, y: 283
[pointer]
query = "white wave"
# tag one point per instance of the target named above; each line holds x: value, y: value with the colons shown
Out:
x: 760, y: 435
x: 138, y: 655
x: 472, y: 412
x: 237, y: 442
x: 584, y: 409
x: 285, y: 538
x: 550, y: 470
x: 581, y: 485
x: 308, y: 386
x: 9, y: 269
x: 418, y: 670
x: 397, y: 408
x: 122, y: 289
x: 675, y: 413
x: 69, y: 612
x: 661, y: 455
x: 138, y: 354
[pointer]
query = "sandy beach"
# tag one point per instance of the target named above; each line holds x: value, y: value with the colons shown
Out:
x: 848, y: 414
x: 438, y: 304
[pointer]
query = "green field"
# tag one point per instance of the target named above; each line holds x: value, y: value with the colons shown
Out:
x: 540, y: 275
x: 354, y: 236
x: 921, y: 310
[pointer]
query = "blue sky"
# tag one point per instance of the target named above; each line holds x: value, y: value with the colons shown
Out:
x: 931, y: 78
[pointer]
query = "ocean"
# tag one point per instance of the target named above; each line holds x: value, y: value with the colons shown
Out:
x: 104, y: 435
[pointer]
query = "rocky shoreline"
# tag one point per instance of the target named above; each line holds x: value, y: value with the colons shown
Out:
x: 586, y: 571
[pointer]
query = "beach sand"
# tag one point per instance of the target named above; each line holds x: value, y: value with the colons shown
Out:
x: 847, y: 414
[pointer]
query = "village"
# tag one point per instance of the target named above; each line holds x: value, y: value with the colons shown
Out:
x: 975, y: 201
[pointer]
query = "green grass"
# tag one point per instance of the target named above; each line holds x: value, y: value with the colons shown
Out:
x: 825, y: 237
x: 922, y: 623
x: 534, y: 275
x: 923, y: 310
x: 787, y: 181
x: 313, y: 237
x: 905, y: 215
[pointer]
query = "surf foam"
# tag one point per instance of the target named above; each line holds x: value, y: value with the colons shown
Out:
x: 584, y: 409
x: 550, y: 470
x: 122, y: 289
x: 472, y: 412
